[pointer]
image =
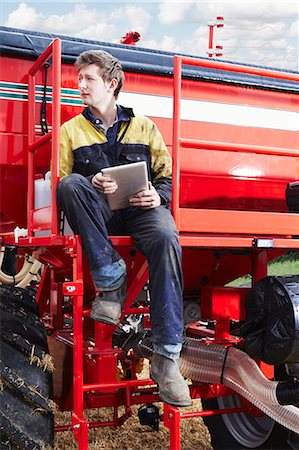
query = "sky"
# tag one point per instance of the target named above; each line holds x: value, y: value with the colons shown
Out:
x: 260, y: 32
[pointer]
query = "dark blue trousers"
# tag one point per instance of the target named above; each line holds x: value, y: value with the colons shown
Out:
x: 155, y: 235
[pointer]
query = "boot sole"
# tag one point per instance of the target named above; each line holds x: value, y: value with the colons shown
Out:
x: 105, y: 320
x: 172, y: 403
x: 167, y: 400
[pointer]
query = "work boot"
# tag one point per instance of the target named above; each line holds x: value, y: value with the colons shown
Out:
x: 107, y: 307
x: 172, y: 387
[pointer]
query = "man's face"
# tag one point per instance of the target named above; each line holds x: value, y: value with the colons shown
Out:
x: 94, y: 90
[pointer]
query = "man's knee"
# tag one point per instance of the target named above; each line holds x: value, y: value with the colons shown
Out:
x: 166, y: 237
x: 70, y: 188
x: 71, y: 182
x: 166, y: 229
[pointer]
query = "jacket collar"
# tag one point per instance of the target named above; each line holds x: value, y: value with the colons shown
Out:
x: 123, y: 115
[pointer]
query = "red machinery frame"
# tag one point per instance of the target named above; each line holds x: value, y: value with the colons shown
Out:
x: 232, y: 222
x: 54, y: 51
x: 198, y: 228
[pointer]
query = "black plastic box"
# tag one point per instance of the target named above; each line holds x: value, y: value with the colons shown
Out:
x: 292, y: 196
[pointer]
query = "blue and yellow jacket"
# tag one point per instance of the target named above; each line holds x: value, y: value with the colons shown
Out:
x: 85, y: 149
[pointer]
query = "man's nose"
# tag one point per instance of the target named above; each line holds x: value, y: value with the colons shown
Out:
x: 82, y: 84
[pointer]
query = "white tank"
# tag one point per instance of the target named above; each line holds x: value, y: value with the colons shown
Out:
x: 42, y: 198
x: 42, y: 191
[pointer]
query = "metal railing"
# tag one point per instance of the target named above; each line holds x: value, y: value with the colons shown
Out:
x: 215, y: 220
x: 49, y: 213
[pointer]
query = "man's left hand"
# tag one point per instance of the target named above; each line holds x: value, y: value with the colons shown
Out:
x: 146, y: 199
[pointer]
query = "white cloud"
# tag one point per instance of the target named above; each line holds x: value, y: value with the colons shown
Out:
x: 139, y: 19
x: 243, y: 10
x: 76, y: 20
x: 113, y: 25
x: 293, y: 30
x: 259, y: 32
x: 254, y: 31
x: 173, y: 12
x: 84, y: 21
x: 168, y: 43
x: 23, y: 17
x: 98, y: 32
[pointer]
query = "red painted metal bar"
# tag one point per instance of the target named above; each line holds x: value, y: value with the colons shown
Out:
x: 140, y: 277
x: 176, y: 133
x: 259, y: 266
x: 172, y: 418
x: 238, y: 222
x: 141, y: 310
x: 123, y: 241
x: 41, y: 60
x: 117, y: 385
x: 91, y: 425
x: 222, y: 330
x: 231, y: 67
x: 30, y: 168
x: 53, y: 50
x: 108, y: 423
x: 78, y: 333
x: 205, y: 241
x: 212, y: 412
x: 211, y: 36
x: 232, y: 147
x: 40, y: 142
x: 56, y: 121
x: 44, y: 241
x: 79, y: 423
x: 59, y: 428
x: 186, y: 240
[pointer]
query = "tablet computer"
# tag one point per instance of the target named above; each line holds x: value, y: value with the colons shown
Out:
x: 130, y: 178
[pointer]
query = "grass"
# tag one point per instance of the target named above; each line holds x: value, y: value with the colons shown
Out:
x: 283, y: 265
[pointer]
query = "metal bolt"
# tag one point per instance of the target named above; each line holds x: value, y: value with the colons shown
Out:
x: 70, y: 288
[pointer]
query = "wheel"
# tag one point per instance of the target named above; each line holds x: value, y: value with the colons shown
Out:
x: 242, y: 430
x: 26, y: 408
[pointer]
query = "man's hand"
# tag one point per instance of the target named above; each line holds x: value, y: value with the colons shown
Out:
x: 104, y: 184
x: 146, y: 199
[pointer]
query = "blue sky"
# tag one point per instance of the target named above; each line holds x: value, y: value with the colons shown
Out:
x: 257, y: 32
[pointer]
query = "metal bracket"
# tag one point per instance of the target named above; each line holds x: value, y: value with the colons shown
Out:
x: 73, y: 288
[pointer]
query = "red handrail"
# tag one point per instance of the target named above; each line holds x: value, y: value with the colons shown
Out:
x: 233, y: 147
x: 231, y: 67
x: 54, y: 51
x: 178, y: 141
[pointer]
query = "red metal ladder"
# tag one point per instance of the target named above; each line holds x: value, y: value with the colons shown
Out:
x: 45, y: 218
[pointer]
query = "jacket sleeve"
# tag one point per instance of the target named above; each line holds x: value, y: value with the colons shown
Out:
x: 66, y: 153
x: 161, y: 165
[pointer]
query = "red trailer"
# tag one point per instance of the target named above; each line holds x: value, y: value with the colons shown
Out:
x: 233, y: 133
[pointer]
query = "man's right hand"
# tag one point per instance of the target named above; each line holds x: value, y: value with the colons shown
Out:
x: 105, y: 185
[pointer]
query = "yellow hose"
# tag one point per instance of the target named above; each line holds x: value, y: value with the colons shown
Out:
x: 29, y: 270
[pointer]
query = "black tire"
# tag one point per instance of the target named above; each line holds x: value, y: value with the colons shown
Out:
x: 26, y: 411
x: 242, y: 430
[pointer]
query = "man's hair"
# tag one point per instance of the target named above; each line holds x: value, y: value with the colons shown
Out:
x: 109, y: 67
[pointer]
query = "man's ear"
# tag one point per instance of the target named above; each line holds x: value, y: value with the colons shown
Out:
x: 113, y: 85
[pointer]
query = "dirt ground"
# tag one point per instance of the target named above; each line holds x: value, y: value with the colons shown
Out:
x: 132, y: 435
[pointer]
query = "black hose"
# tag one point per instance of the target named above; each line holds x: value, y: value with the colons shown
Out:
x: 287, y: 393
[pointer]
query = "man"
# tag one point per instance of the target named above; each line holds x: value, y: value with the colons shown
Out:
x: 106, y: 134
